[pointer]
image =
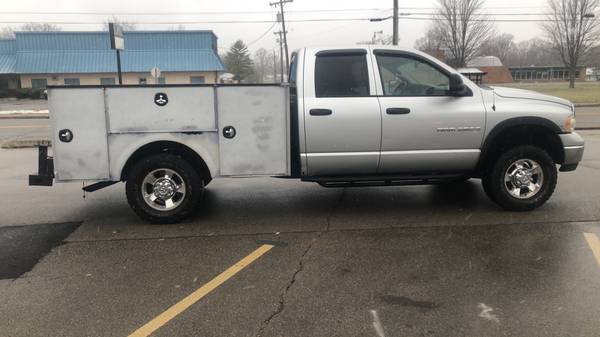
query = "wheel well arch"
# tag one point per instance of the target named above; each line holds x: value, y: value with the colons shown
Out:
x: 165, y: 146
x: 536, y: 131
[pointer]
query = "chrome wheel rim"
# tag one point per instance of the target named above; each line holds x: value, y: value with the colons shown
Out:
x: 163, y: 189
x: 524, y: 178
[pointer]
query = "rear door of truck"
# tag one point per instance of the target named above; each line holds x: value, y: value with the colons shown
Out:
x: 341, y: 113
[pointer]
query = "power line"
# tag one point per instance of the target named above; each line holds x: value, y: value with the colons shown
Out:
x: 262, y: 35
x: 192, y: 14
x: 412, y: 17
x: 244, y: 12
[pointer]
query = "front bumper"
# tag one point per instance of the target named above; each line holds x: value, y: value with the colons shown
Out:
x: 45, y: 175
x: 573, y: 146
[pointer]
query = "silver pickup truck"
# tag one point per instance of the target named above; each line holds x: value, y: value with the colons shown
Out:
x: 356, y: 116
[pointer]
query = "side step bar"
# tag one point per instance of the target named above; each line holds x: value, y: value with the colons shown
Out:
x: 45, y: 174
x: 364, y: 181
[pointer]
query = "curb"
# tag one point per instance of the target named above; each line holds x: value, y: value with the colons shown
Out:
x: 591, y: 128
x: 24, y: 144
x: 587, y: 105
x: 25, y: 116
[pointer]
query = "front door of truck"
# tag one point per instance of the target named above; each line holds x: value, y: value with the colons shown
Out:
x: 342, y: 118
x: 424, y: 127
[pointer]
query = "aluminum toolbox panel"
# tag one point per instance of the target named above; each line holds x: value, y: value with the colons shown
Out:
x: 185, y: 109
x: 79, y: 111
x: 259, y: 115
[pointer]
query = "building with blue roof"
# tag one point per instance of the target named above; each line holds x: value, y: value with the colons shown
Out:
x: 38, y: 59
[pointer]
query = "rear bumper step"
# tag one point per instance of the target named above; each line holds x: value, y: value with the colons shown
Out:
x: 45, y: 176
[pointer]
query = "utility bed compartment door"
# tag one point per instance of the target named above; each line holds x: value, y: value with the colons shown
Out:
x: 80, y: 112
x: 253, y: 130
x: 185, y: 109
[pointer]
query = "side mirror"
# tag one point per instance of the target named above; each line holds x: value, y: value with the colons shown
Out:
x: 456, y: 84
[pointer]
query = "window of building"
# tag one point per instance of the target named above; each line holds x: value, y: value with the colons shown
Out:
x: 162, y: 80
x: 39, y: 83
x: 72, y: 81
x: 142, y: 80
x: 107, y: 80
x: 197, y: 79
x: 339, y: 75
x: 409, y: 76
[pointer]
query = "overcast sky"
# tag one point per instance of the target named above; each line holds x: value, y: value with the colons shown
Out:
x: 299, y: 33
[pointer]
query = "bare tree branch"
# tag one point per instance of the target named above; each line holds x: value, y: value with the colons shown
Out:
x: 572, y: 32
x: 463, y: 28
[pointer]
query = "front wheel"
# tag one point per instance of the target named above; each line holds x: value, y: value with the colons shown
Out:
x: 522, y: 178
x: 164, y: 188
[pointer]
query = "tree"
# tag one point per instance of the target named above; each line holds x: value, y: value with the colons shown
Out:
x: 39, y: 27
x: 432, y: 41
x: 378, y: 38
x: 531, y: 53
x: 500, y: 46
x: 463, y: 29
x: 238, y: 61
x: 263, y: 66
x: 9, y: 32
x: 572, y: 30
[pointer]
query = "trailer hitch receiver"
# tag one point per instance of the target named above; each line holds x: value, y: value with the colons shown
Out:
x: 45, y: 174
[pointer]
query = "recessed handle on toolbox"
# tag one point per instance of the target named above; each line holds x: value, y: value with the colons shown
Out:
x: 320, y: 112
x: 397, y: 111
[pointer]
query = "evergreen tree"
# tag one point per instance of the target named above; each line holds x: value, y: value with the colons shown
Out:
x: 238, y: 61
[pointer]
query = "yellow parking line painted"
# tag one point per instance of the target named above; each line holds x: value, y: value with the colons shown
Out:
x: 594, y: 243
x: 194, y: 297
x: 24, y: 126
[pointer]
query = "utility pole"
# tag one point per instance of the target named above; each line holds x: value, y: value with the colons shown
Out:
x: 279, y: 33
x: 395, y: 18
x: 280, y: 3
x: 274, y: 66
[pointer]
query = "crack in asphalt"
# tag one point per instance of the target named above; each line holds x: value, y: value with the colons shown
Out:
x: 281, y: 305
x: 408, y: 226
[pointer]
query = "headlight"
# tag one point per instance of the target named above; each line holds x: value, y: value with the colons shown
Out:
x: 570, y: 124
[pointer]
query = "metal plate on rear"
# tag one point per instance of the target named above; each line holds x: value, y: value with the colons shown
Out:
x: 80, y: 111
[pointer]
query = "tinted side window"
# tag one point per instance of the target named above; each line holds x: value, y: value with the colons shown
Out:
x: 407, y: 76
x: 341, y: 76
x: 293, y: 69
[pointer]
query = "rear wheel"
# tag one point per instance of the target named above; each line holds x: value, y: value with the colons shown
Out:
x: 522, y: 179
x: 164, y: 188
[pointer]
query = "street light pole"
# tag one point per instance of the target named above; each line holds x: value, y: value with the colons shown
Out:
x: 395, y: 18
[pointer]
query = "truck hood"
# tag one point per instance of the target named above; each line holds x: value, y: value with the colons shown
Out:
x: 528, y: 94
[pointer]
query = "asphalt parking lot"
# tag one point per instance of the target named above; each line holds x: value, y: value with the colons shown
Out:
x: 273, y: 257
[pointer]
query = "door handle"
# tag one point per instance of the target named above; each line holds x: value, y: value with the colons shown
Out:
x: 320, y: 112
x: 397, y: 111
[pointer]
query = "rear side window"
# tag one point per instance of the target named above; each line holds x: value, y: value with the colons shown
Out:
x: 341, y: 75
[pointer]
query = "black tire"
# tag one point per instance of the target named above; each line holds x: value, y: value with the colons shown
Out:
x: 498, y: 190
x: 486, y: 187
x: 187, y: 204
